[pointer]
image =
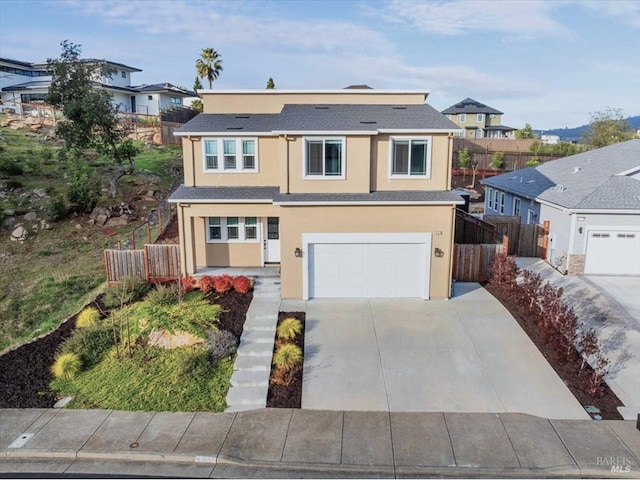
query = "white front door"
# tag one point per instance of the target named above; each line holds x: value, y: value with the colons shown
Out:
x: 272, y: 240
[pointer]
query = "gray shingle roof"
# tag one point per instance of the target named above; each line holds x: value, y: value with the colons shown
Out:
x: 362, y: 117
x: 469, y: 105
x: 215, y: 122
x: 195, y: 194
x: 445, y: 196
x: 587, y: 180
x: 324, y: 118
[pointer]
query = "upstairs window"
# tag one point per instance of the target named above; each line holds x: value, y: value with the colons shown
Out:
x: 238, y: 155
x: 124, y: 74
x: 462, y: 117
x: 410, y: 157
x: 176, y: 100
x: 480, y: 117
x: 324, y: 158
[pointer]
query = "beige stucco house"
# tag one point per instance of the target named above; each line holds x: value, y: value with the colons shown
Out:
x: 477, y: 120
x: 347, y: 190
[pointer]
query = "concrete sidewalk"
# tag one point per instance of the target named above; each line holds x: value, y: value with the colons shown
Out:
x: 282, y: 443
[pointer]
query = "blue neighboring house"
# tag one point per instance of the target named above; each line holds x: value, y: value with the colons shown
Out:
x: 592, y: 201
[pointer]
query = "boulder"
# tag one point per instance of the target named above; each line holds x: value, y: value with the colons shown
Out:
x: 31, y: 216
x: 101, y: 220
x: 19, y: 234
x: 40, y: 193
x: 119, y: 221
x: 97, y: 211
x: 165, y: 339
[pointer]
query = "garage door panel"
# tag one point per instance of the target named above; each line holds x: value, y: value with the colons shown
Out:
x: 367, y: 270
x: 613, y: 252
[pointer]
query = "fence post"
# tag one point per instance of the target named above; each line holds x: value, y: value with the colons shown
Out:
x: 119, y: 245
x: 133, y: 240
x: 505, y: 244
x: 160, y: 226
x: 148, y: 232
x: 106, y: 266
x: 146, y: 263
x: 544, y: 243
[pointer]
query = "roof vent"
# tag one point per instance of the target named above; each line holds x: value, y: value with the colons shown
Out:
x: 368, y: 122
x: 234, y: 128
x: 576, y: 169
x: 530, y: 181
x: 399, y: 108
x: 242, y: 116
x: 322, y: 108
x: 636, y: 197
x: 560, y: 188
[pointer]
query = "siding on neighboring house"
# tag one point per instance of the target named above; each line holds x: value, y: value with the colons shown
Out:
x: 490, y: 207
x: 560, y: 226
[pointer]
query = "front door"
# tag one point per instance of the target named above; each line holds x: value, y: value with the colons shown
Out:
x: 272, y: 241
x: 133, y: 104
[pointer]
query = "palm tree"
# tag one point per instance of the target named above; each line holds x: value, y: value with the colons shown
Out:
x: 209, y: 65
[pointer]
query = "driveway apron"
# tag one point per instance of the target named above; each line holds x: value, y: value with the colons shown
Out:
x: 467, y: 354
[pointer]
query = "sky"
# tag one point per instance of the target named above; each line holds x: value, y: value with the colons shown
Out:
x: 549, y: 63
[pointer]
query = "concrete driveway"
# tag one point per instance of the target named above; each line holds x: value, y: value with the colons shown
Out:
x: 466, y: 354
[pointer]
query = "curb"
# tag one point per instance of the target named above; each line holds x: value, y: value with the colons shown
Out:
x: 335, y: 470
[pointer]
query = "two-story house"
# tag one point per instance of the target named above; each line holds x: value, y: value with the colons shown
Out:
x: 347, y: 190
x: 478, y: 120
x: 24, y: 84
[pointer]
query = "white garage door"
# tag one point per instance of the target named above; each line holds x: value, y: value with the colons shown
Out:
x: 613, y: 252
x: 364, y: 269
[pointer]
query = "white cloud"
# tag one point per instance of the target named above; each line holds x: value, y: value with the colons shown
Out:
x: 518, y: 19
x: 627, y: 11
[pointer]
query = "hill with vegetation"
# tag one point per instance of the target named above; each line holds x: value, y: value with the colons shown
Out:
x: 575, y: 134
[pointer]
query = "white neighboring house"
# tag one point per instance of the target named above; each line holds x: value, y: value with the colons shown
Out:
x: 28, y: 83
x: 548, y: 139
x: 592, y: 201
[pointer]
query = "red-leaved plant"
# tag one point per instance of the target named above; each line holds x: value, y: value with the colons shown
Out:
x: 241, y: 284
x: 222, y: 283
x: 206, y: 283
x: 188, y: 284
x: 504, y: 271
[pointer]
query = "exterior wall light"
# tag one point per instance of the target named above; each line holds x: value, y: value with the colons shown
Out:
x: 438, y: 253
x: 298, y: 252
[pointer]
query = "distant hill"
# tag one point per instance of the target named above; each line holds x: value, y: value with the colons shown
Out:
x: 574, y: 134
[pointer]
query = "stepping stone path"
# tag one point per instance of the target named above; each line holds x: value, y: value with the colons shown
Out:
x: 250, y: 379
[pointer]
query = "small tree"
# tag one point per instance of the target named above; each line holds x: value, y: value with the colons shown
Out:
x: 270, y: 84
x: 196, y: 84
x: 497, y: 160
x: 197, y: 105
x: 525, y: 132
x: 606, y: 128
x: 464, y: 160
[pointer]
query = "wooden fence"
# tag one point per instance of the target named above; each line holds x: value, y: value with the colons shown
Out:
x: 472, y: 263
x: 525, y: 240
x: 155, y: 263
x: 470, y: 229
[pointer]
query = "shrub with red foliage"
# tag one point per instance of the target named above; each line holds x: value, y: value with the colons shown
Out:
x: 241, y: 284
x: 188, y: 283
x: 504, y: 271
x: 222, y: 283
x: 206, y: 283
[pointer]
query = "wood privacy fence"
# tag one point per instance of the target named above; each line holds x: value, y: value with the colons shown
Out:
x: 472, y: 263
x: 529, y: 240
x: 155, y: 263
x: 470, y: 229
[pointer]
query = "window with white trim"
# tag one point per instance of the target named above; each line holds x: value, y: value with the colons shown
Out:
x: 230, y: 155
x: 480, y: 117
x: 410, y: 157
x: 462, y: 117
x: 324, y: 158
x: 490, y: 198
x: 501, y: 203
x: 175, y: 100
x: 496, y: 194
x: 516, y: 206
x: 232, y: 229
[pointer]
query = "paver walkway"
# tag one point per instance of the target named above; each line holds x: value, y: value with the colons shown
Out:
x: 467, y: 354
x: 613, y: 321
x: 282, y: 443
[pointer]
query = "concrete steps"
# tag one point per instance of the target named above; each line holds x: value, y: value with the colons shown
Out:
x: 250, y: 379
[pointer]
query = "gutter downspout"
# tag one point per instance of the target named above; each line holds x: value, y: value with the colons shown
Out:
x: 449, y: 159
x: 183, y: 249
x: 193, y: 162
x: 287, y: 139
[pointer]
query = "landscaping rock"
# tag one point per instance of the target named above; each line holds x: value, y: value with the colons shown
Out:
x: 44, y: 225
x: 165, y: 339
x: 19, y: 234
x: 119, y: 221
x: 40, y: 193
x: 9, y: 213
x: 8, y: 222
x: 63, y: 402
x: 31, y: 216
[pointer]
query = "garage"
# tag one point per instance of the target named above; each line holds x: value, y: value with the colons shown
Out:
x: 613, y: 252
x: 367, y: 265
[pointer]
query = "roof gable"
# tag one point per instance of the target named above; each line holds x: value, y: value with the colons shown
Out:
x: 469, y: 105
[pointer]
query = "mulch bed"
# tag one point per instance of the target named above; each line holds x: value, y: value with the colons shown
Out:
x: 568, y: 371
x: 289, y: 396
x: 25, y: 371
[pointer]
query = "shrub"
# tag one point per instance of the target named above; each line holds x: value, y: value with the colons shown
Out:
x: 128, y: 290
x: 46, y: 153
x: 464, y: 158
x: 66, y: 366
x: 13, y: 184
x: 87, y: 318
x: 289, y: 328
x: 221, y: 344
x: 91, y: 344
x: 161, y: 295
x: 532, y: 162
x: 287, y: 356
x: 504, y: 271
x: 56, y: 209
x: 241, y: 284
x: 10, y: 167
x: 188, y: 284
x: 222, y: 283
x: 206, y: 283
x: 84, y: 192
x: 497, y: 160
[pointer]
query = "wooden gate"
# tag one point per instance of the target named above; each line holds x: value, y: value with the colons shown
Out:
x: 472, y: 263
x: 155, y: 263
